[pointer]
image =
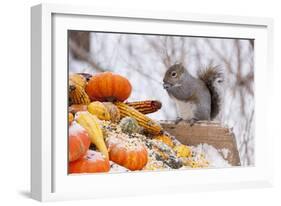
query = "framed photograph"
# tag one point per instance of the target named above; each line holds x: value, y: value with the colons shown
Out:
x: 136, y: 102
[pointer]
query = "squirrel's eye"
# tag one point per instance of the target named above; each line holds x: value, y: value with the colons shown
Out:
x: 174, y: 74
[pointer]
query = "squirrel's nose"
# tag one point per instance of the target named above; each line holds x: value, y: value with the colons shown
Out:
x: 166, y: 86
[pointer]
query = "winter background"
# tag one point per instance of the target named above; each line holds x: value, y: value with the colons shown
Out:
x: 144, y: 59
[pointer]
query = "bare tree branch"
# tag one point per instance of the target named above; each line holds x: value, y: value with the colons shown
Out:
x: 84, y: 55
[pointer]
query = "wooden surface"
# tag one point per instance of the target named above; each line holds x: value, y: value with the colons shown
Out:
x: 202, y: 132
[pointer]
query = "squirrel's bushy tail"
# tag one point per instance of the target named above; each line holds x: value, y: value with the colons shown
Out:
x: 212, y: 76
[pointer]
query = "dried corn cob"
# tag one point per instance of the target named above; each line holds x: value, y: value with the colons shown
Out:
x: 146, y: 107
x: 86, y: 75
x: 77, y: 80
x: 148, y: 124
x: 77, y: 94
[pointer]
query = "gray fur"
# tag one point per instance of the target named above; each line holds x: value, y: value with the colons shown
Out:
x: 211, y: 76
x: 183, y: 87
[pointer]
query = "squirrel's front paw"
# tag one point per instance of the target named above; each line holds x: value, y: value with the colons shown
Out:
x: 178, y: 120
x: 192, y: 121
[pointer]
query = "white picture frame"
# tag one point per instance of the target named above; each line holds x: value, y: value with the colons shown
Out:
x: 49, y: 178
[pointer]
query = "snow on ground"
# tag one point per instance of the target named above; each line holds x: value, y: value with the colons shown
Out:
x: 212, y: 155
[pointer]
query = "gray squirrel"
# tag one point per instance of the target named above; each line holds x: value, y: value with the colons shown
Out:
x: 196, y: 98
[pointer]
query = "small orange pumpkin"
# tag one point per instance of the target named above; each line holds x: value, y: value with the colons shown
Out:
x: 130, y: 153
x: 78, y: 140
x: 108, y: 86
x: 92, y: 162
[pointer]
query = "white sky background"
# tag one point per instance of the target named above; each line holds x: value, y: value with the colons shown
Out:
x: 143, y: 59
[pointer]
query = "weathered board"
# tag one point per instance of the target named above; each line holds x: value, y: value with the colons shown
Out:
x: 212, y: 133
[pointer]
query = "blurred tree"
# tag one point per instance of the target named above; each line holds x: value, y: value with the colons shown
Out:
x: 82, y: 40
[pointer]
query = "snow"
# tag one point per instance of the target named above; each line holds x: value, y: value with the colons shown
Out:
x: 224, y: 152
x: 94, y: 155
x: 75, y: 128
x: 212, y: 155
x: 116, y: 168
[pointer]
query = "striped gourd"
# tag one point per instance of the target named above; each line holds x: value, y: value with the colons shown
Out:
x: 146, y: 107
x: 148, y: 124
x: 77, y: 94
x: 91, y: 124
x: 113, y: 111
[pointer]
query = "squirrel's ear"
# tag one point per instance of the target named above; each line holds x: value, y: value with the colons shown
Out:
x: 178, y: 64
x: 178, y: 67
x: 181, y: 67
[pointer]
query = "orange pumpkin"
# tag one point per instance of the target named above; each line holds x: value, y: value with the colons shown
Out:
x: 92, y: 162
x: 78, y: 140
x: 130, y: 153
x: 108, y: 86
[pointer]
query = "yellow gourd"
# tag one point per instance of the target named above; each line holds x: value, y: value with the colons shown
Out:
x: 70, y: 117
x: 98, y: 109
x: 91, y: 125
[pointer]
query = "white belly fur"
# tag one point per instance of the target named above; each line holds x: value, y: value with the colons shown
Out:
x: 185, y: 110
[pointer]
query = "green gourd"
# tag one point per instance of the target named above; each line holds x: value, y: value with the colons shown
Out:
x: 129, y: 125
